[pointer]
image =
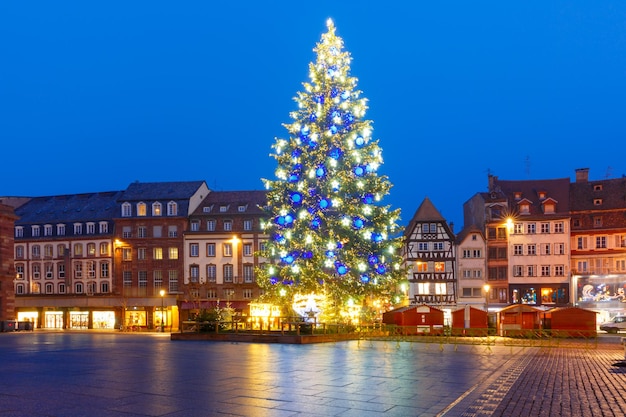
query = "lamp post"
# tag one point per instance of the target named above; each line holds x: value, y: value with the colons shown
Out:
x: 162, y: 292
x: 487, y: 287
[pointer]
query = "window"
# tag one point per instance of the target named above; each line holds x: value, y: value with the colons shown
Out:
x: 600, y: 242
x: 560, y: 248
x: 78, y: 229
x: 531, y: 228
x: 61, y: 270
x: 228, y: 293
x: 207, y: 209
x: 559, y: 270
x: 91, y: 228
x: 467, y: 253
x: 211, y: 293
x: 421, y: 267
x: 228, y: 249
x: 156, y: 209
x: 475, y: 292
x: 558, y: 227
x: 104, y: 270
x: 126, y: 232
x: 518, y: 270
x: 597, y: 201
x: 530, y: 269
x: 157, y: 231
x: 422, y: 246
x: 518, y: 228
x: 19, y: 231
x: 172, y: 231
x: 195, y: 226
x: 143, y: 279
x: 210, y: 225
x: 19, y: 271
x: 228, y: 273
x: 49, y: 268
x: 228, y: 225
x: 61, y: 229
x: 36, y: 231
x: 423, y: 288
x: 158, y: 279
x: 49, y: 288
x: 142, y: 231
x: 103, y: 227
x: 501, y: 232
x: 48, y: 251
x: 104, y: 249
x: 518, y: 250
x: 438, y: 246
x: 620, y: 241
x: 581, y: 242
x: 546, y: 249
x: 173, y: 280
x: 126, y: 210
x: 545, y: 270
x: 127, y: 254
x: 223, y: 209
x: 91, y: 269
x: 172, y: 208
x: 47, y: 230
x: 545, y: 227
x: 61, y: 250
x: 19, y: 289
x: 141, y: 209
x: 36, y: 251
x: 79, y: 288
x: 91, y: 249
x: 157, y: 253
x: 127, y: 278
x: 173, y: 253
x: 78, y: 269
x: 247, y: 293
x: 194, y: 250
x: 247, y: 225
x: 597, y: 221
x: 440, y: 266
x: 104, y: 287
x: 19, y: 252
x: 210, y: 249
x: 211, y: 272
x: 247, y: 249
x: 531, y: 249
x: 194, y: 273
x: 248, y: 273
x: 241, y: 208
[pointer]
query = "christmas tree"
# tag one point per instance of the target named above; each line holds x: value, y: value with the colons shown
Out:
x: 329, y: 232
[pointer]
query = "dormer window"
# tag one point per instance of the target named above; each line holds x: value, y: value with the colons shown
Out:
x: 207, y: 209
x: 597, y: 201
x: 141, y: 209
x: 223, y: 209
x: 126, y: 210
x: 172, y: 208
x: 241, y: 208
x: 518, y: 195
x: 542, y: 195
x: 524, y: 209
x: 156, y: 209
x: 597, y: 187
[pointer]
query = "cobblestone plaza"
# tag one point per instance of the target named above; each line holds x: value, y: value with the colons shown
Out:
x: 122, y: 374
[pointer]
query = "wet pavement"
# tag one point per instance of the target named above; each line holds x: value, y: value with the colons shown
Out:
x: 125, y: 374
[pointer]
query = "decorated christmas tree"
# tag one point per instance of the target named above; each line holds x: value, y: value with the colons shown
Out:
x: 330, y: 235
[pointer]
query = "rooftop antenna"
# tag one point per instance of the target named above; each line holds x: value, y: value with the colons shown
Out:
x: 527, y: 166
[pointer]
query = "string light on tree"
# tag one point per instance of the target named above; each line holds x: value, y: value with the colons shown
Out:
x: 327, y: 220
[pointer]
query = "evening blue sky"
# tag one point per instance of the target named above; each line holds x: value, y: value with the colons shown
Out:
x: 95, y: 95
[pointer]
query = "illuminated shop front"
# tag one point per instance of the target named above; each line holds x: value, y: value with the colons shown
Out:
x: 103, y: 319
x: 79, y: 320
x: 541, y: 294
x: 53, y: 320
x: 135, y: 318
x: 28, y: 316
x: 605, y: 294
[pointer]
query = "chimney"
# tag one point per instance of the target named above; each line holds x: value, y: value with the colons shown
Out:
x: 582, y: 175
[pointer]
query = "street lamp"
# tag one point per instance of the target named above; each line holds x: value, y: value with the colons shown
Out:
x: 487, y: 287
x: 162, y: 292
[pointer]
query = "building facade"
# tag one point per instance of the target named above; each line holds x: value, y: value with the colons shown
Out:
x: 221, y: 246
x: 429, y: 255
x: 150, y: 224
x: 471, y: 267
x: 598, y: 244
x: 7, y: 267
